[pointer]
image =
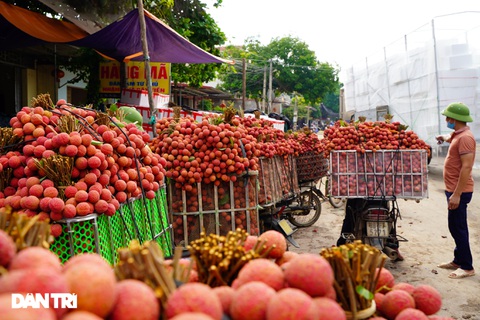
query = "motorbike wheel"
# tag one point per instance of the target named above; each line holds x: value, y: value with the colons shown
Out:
x: 306, y: 218
x: 335, y: 202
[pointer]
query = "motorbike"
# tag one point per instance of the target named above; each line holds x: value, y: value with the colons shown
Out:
x: 286, y: 216
x: 374, y: 222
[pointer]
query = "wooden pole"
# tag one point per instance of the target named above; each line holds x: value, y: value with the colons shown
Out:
x: 270, y: 93
x: 264, y: 93
x: 146, y: 56
x: 244, y: 84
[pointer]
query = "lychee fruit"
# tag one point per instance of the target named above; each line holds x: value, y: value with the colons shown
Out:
x: 70, y: 192
x: 225, y: 293
x: 194, y: 297
x: 395, y: 301
x: 329, y: 309
x: 36, y: 280
x: 192, y: 316
x: 81, y: 315
x: 56, y: 205
x: 287, y: 256
x: 242, y: 306
x: 36, y: 190
x: 274, y: 242
x: 8, y: 313
x: 83, y: 208
x: 81, y: 196
x: 30, y: 202
x: 97, y: 295
x: 427, y: 299
x: 385, y: 282
x: 50, y: 192
x: 56, y: 230
x: 35, y: 257
x: 69, y: 211
x: 411, y: 314
x: 309, y: 272
x: 291, y: 304
x: 8, y: 249
x: 101, y: 206
x: 132, y: 296
x: 263, y: 270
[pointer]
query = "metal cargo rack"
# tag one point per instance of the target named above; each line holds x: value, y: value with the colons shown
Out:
x: 399, y: 173
x: 214, y: 209
x: 311, y: 167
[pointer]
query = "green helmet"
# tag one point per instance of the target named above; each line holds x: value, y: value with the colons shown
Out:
x: 458, y: 111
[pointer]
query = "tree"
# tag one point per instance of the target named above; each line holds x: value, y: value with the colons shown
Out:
x: 190, y: 19
x: 295, y: 70
x: 232, y: 76
x: 332, y: 99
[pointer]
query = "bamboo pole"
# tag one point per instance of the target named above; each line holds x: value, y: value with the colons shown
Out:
x: 146, y: 57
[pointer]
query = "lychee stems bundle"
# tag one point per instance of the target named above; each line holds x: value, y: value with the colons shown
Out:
x: 5, y: 177
x: 42, y: 100
x: 25, y: 231
x: 68, y: 123
x: 57, y: 168
x: 229, y: 113
x: 8, y: 139
x: 220, y: 258
x: 146, y: 263
x: 354, y: 266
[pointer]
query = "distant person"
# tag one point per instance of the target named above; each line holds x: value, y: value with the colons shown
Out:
x: 457, y: 175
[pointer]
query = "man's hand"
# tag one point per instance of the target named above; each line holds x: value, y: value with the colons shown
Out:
x: 453, y: 202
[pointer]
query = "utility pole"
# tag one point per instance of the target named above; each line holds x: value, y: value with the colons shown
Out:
x: 295, y: 112
x: 308, y: 116
x: 244, y: 84
x: 270, y: 89
x: 264, y: 93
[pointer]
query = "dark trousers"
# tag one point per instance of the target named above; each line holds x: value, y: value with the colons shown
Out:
x: 458, y: 226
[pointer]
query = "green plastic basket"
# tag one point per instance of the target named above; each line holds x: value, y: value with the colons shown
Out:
x: 140, y: 218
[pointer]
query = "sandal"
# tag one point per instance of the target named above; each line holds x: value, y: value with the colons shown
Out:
x: 448, y: 265
x: 460, y: 273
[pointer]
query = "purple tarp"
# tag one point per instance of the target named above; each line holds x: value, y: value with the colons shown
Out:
x: 121, y: 40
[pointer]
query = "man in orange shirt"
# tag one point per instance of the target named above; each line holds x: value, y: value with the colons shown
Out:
x: 457, y: 175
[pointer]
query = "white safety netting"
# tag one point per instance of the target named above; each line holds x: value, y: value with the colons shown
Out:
x: 417, y: 76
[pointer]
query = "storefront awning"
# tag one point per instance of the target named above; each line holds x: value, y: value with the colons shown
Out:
x: 21, y: 28
x: 120, y: 40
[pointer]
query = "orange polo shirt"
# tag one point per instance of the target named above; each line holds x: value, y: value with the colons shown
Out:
x: 462, y: 142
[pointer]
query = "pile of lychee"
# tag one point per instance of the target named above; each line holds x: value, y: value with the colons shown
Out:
x: 402, y: 301
x: 111, y: 162
x: 36, y: 270
x: 283, y: 285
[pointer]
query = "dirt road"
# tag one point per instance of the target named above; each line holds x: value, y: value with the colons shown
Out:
x: 424, y: 225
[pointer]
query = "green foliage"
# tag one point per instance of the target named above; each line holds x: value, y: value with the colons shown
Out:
x: 32, y: 5
x: 295, y: 68
x: 332, y: 99
x: 190, y: 19
x: 205, y: 104
x: 364, y: 292
x: 86, y: 68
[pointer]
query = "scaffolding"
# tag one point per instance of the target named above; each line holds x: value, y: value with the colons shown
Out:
x: 417, y: 76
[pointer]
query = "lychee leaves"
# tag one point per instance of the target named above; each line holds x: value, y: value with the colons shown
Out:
x: 363, y: 292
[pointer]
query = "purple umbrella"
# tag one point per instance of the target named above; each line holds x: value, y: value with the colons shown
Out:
x: 121, y: 41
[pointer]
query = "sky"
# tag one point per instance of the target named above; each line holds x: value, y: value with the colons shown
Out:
x: 340, y: 32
